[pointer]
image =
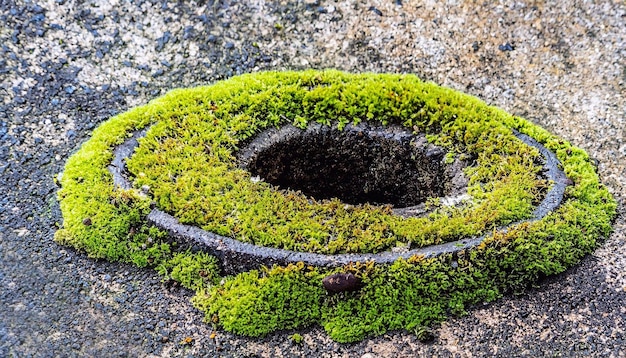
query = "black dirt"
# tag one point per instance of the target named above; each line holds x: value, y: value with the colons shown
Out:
x: 357, y: 165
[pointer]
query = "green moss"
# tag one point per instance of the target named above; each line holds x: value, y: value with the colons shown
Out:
x: 187, y: 160
x: 267, y: 300
x: 196, y: 271
x: 296, y: 338
x: 115, y: 217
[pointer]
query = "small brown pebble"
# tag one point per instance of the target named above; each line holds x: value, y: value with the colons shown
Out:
x: 164, y: 339
x: 187, y: 341
x: 87, y: 221
x: 341, y: 282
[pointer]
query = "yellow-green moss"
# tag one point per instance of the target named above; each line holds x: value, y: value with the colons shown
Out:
x: 187, y: 160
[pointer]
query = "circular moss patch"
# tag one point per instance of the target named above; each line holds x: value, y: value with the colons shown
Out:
x: 332, y: 172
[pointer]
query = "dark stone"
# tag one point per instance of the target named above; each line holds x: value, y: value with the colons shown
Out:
x: 38, y: 18
x: 506, y: 47
x: 375, y: 11
x: 342, y: 282
x: 87, y: 221
x: 161, y: 41
x: 189, y: 33
x: 38, y: 9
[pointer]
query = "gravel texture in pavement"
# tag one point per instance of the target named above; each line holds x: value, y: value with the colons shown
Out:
x: 67, y: 65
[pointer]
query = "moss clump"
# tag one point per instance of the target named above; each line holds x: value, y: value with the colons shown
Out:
x: 296, y: 338
x: 267, y: 300
x: 196, y: 271
x: 187, y: 160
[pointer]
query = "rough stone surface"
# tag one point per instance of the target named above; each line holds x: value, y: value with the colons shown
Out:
x: 66, y: 66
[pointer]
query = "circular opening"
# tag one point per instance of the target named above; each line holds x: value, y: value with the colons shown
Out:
x: 357, y: 165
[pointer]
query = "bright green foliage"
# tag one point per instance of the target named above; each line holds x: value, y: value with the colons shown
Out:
x: 280, y: 298
x: 296, y: 338
x: 116, y: 229
x: 187, y: 160
x: 195, y: 271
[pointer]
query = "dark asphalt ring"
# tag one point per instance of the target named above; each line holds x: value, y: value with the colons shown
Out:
x: 236, y: 256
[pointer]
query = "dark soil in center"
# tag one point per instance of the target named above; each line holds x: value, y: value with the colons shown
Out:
x: 359, y: 164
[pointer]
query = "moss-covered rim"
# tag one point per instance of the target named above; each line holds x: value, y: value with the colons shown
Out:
x: 236, y: 256
x: 408, y: 294
x: 187, y: 159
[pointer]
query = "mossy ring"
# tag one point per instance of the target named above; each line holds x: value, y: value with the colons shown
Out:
x: 428, y: 198
x: 236, y: 256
